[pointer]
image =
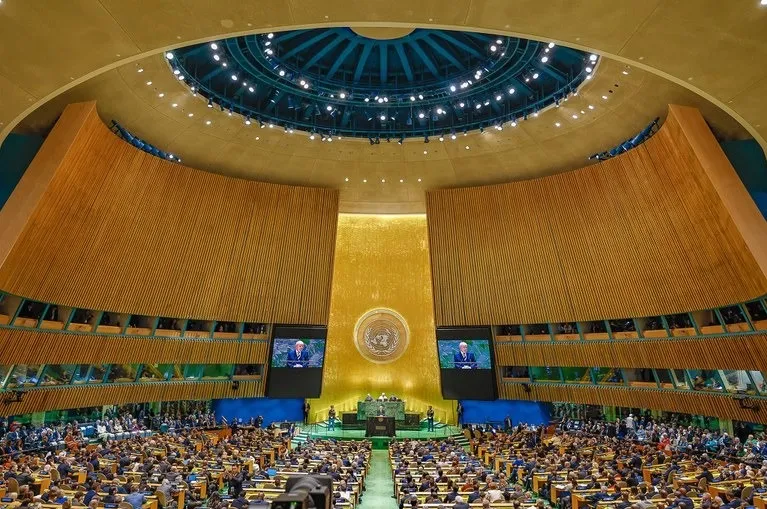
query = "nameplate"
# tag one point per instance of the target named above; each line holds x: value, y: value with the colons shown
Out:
x: 381, y: 428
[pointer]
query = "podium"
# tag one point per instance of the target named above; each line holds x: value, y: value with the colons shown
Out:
x: 380, y: 426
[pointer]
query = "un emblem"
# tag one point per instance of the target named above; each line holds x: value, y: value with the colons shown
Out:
x: 381, y: 335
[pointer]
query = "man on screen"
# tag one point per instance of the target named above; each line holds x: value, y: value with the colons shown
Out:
x: 463, y: 358
x: 297, y: 357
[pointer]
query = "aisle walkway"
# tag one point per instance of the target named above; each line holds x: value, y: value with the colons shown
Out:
x: 379, y: 483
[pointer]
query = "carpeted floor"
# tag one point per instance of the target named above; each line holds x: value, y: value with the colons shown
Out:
x: 379, y: 483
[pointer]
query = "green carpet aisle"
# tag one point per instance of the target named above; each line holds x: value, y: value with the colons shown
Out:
x: 379, y: 483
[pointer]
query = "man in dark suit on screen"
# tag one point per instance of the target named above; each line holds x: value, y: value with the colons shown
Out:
x: 298, y: 357
x: 463, y: 358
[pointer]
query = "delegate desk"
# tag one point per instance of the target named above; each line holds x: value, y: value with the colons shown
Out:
x: 381, y: 426
x: 394, y: 409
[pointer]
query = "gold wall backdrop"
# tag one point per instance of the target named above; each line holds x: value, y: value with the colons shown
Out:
x: 382, y: 261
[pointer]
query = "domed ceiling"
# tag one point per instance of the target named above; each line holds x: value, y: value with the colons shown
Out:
x: 381, y: 85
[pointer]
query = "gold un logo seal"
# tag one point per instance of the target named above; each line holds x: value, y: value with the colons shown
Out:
x: 381, y: 335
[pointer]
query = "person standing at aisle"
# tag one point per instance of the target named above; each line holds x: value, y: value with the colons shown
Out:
x: 459, y: 413
x: 430, y: 418
x: 307, y: 408
x: 332, y: 418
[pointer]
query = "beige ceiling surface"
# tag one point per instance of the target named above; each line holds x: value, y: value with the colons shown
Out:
x: 535, y: 147
x: 715, y: 48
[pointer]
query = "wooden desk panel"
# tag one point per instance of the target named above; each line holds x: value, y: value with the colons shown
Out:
x: 626, y: 335
x: 25, y: 322
x: 538, y: 337
x: 4, y: 319
x: 684, y: 331
x: 567, y: 337
x: 138, y: 331
x: 226, y: 335
x: 108, y: 329
x: 712, y: 329
x: 52, y: 325
x: 198, y: 334
x: 596, y: 335
x: 80, y: 327
x: 655, y: 333
x: 167, y: 333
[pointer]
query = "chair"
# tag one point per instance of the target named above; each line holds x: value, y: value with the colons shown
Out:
x: 13, y: 485
x: 161, y: 499
x: 55, y: 476
x: 125, y: 505
x: 703, y: 485
x: 745, y: 495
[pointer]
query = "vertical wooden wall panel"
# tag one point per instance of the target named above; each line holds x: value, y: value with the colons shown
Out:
x: 76, y: 397
x: 641, y: 234
x: 121, y: 230
x: 696, y: 403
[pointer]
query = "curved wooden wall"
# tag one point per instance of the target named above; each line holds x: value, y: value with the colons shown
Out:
x: 642, y: 234
x: 40, y: 347
x: 121, y: 230
x: 730, y: 352
x: 75, y: 397
x: 689, y: 402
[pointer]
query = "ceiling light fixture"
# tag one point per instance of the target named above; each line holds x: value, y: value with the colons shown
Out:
x: 169, y: 55
x: 213, y: 46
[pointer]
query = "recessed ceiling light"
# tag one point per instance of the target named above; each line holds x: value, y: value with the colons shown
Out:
x: 419, y: 180
x: 513, y: 124
x: 174, y: 105
x: 269, y: 35
x: 251, y: 89
x: 453, y: 136
x: 364, y: 181
x: 593, y: 58
x: 626, y: 72
x: 604, y: 97
x: 401, y: 181
x: 140, y: 69
x: 589, y: 69
x: 306, y: 85
x: 342, y: 95
x: 160, y: 95
x: 535, y: 76
x: 557, y: 124
x: 329, y: 107
x: 282, y: 72
x: 207, y: 122
x: 420, y: 96
x: 383, y: 117
x: 467, y: 147
x: 258, y: 138
x: 452, y: 88
x: 551, y: 45
x: 544, y: 59
x: 498, y: 97
x: 190, y: 115
x: 234, y: 77
x: 216, y: 57
x: 176, y: 72
x: 421, y: 115
x: 511, y: 91
x: 346, y: 179
x: 425, y: 152
x: 383, y: 181
x: 148, y: 82
x: 213, y: 46
x: 575, y: 116
x: 302, y: 82
x: 169, y: 55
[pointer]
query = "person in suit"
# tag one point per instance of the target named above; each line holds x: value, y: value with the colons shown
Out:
x: 463, y: 358
x: 307, y: 409
x: 430, y: 418
x: 297, y: 357
x: 381, y: 410
x: 332, y: 418
x: 368, y: 397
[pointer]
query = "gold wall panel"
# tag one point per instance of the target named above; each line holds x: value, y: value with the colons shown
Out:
x: 120, y: 230
x: 382, y: 262
x: 641, y: 234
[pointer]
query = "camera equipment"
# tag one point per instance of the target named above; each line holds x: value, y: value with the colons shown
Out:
x: 305, y: 492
